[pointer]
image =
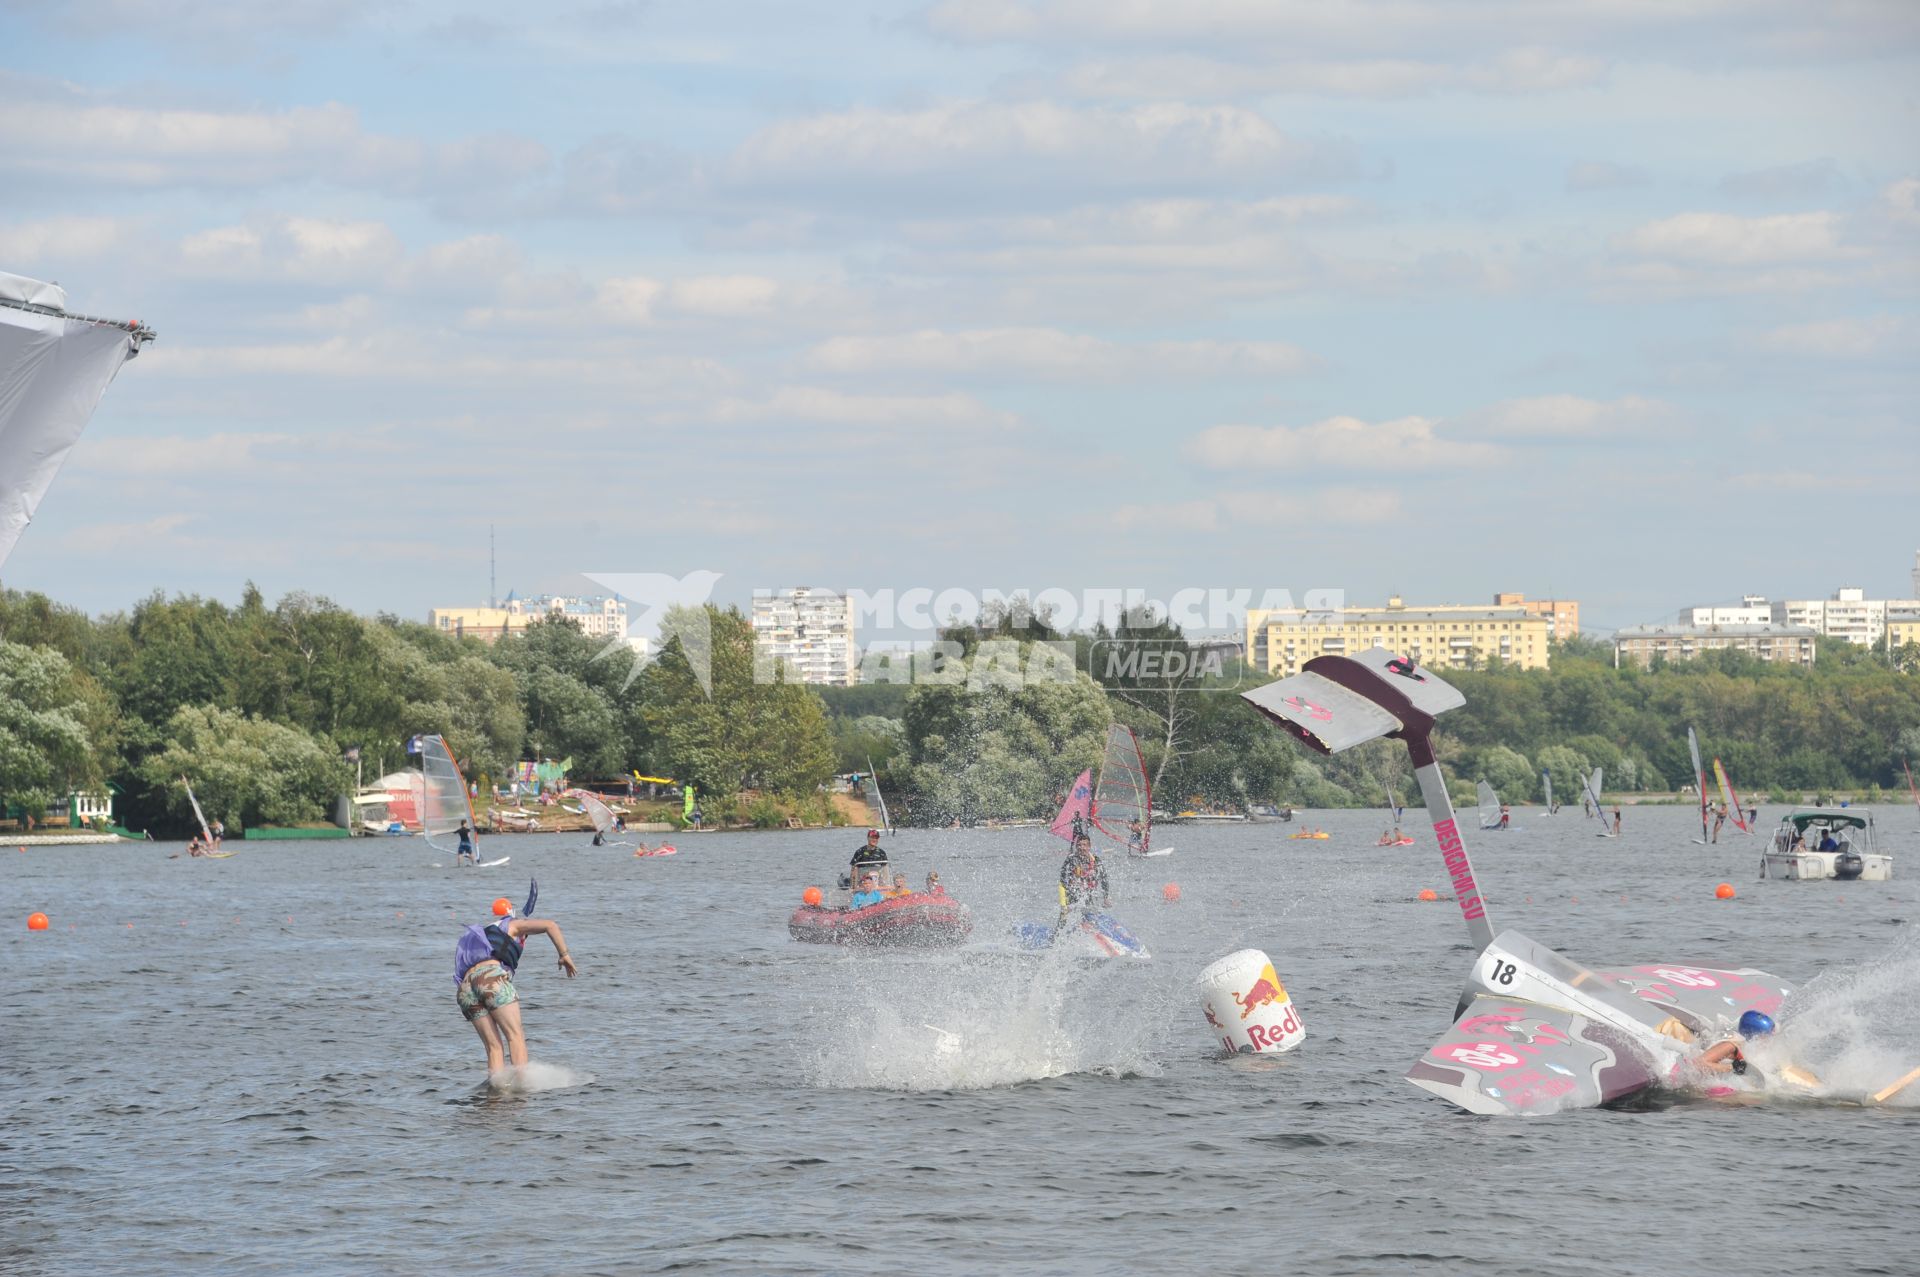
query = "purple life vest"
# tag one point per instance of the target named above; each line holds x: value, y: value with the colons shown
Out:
x: 485, y: 942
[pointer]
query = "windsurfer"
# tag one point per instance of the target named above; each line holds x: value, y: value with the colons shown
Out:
x: 1136, y: 836
x: 465, y: 854
x: 1719, y: 819
x: 1506, y: 816
x: 1616, y: 820
x: 1081, y: 875
x: 484, y: 963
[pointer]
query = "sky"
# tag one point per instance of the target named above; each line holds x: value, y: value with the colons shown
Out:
x: 1604, y: 299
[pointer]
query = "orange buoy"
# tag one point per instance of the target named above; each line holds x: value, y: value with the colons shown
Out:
x: 36, y: 922
x: 1724, y: 891
x: 1170, y: 892
x: 1428, y: 893
x: 812, y: 895
x: 502, y: 907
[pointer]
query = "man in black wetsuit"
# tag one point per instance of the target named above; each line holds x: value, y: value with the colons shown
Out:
x: 870, y: 855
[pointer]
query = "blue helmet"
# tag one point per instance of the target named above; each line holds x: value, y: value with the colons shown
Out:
x: 1754, y: 1023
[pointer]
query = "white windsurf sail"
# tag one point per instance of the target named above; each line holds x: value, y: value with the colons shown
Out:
x: 599, y: 813
x: 877, y: 801
x: 1731, y: 799
x: 54, y: 367
x: 444, y: 803
x: 1123, y: 799
x: 1546, y: 779
x: 1593, y: 800
x: 1489, y: 806
x: 198, y: 815
x: 1699, y: 780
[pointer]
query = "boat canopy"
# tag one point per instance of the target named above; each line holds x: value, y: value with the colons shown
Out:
x: 1832, y: 818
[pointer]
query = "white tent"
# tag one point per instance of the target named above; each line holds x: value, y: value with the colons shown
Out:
x: 53, y: 369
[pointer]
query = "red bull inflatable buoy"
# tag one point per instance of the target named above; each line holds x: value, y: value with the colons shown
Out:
x: 1247, y: 1007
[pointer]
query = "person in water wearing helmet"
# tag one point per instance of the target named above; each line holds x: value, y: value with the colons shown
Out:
x: 1726, y: 1056
x: 1081, y: 875
x: 870, y: 854
x: 484, y: 963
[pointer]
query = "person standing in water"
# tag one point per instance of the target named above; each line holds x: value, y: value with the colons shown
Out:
x: 464, y: 854
x: 1081, y: 876
x: 1616, y: 820
x: 484, y: 963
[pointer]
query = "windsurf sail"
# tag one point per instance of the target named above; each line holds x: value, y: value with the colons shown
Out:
x: 876, y: 801
x: 599, y: 813
x: 1546, y: 779
x: 1731, y: 799
x: 54, y: 367
x: 1489, y: 806
x: 1077, y: 809
x: 1123, y: 800
x: 444, y: 803
x: 1593, y: 789
x: 198, y: 815
x: 1699, y: 780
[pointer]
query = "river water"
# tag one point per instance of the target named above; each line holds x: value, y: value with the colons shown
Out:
x: 256, y: 1066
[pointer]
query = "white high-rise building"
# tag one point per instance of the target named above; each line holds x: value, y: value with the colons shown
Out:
x: 810, y: 631
x: 1848, y: 615
x: 1753, y: 610
x: 1916, y: 574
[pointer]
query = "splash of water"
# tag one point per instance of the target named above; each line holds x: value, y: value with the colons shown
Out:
x: 1855, y: 1029
x: 975, y: 1024
x: 535, y: 1076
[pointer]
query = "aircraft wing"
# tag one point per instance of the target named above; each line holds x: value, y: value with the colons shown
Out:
x: 1705, y: 999
x: 1510, y: 1057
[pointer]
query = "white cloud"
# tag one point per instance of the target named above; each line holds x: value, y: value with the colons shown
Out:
x: 1049, y: 353
x: 81, y: 139
x: 1202, y: 515
x: 1196, y: 76
x: 60, y: 241
x: 297, y: 248
x: 1603, y: 175
x: 1861, y: 337
x: 1314, y: 506
x: 823, y: 405
x: 1901, y: 201
x: 1567, y: 417
x: 1406, y: 443
x: 1024, y: 146
x: 1724, y: 239
x: 120, y: 538
x: 724, y: 296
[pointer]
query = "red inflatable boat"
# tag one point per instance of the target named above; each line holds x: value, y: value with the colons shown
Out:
x: 914, y: 921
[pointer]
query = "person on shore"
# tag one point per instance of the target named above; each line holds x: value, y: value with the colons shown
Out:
x: 1082, y: 876
x: 484, y: 962
x: 869, y: 893
x: 464, y: 853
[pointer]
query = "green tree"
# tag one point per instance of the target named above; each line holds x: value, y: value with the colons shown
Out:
x: 246, y: 771
x: 755, y: 730
x: 44, y: 748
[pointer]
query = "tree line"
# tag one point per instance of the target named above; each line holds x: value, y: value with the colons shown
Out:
x: 261, y: 706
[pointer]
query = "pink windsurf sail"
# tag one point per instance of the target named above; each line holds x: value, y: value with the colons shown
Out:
x: 1078, y: 809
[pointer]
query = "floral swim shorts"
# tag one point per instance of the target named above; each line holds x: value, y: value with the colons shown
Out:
x: 488, y: 987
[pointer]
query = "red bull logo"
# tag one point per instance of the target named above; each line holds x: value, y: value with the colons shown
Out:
x: 1274, y: 1037
x: 1266, y: 991
x: 1210, y: 1018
